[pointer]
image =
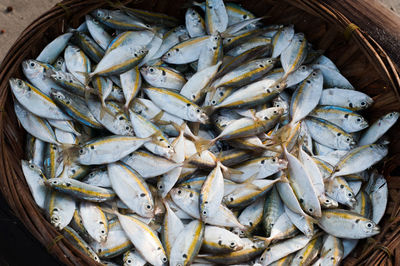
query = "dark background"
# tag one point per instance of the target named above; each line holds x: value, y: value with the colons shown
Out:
x: 17, y: 245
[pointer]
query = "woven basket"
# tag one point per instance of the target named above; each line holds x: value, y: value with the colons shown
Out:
x: 356, y: 54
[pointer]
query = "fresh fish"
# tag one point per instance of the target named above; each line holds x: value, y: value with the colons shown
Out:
x: 377, y: 129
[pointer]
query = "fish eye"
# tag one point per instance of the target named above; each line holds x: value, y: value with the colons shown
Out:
x: 108, y: 17
x: 121, y: 118
x: 265, y: 117
x: 73, y: 171
x: 303, y: 67
x: 59, y: 97
x: 102, y: 231
x: 148, y: 207
x: 221, y: 94
x: 231, y: 199
x: 213, y: 102
x: 332, y: 258
x: 198, y: 110
x: 268, y: 90
x: 338, y: 134
x: 151, y: 69
x: 194, y: 13
x: 216, y: 38
x: 369, y: 225
x: 310, y: 210
x: 184, y: 256
x: 55, y: 218
x: 92, y: 147
x: 348, y: 140
x: 31, y: 166
x: 214, y: 48
x: 164, y: 259
x: 262, y: 162
x: 275, y: 112
x: 391, y: 114
x: 244, y: 16
x: 19, y: 82
x: 194, y: 96
x: 274, y: 160
x: 204, y: 212
x: 179, y: 191
x: 142, y: 195
x: 341, y: 186
x: 233, y: 244
x: 261, y: 65
x: 67, y: 102
x: 160, y: 187
x: 168, y: 54
x: 351, y: 105
x: 301, y: 257
x: 168, y: 146
x: 269, y: 61
x: 81, y: 151
x: 99, y: 250
x: 358, y: 119
x: 346, y: 115
x: 301, y: 40
x: 135, y: 54
x: 127, y: 128
x: 314, y: 74
x: 188, y: 104
x: 350, y: 195
x: 277, y: 86
x: 308, y: 81
x: 327, y: 201
x: 32, y: 64
x: 363, y: 103
x: 68, y: 184
x: 177, y: 49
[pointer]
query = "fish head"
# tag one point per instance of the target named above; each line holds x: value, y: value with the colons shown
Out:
x: 197, y: 114
x: 32, y: 69
x: 153, y: 73
x: 60, y: 97
x: 345, y: 141
x: 102, y: 14
x: 180, y: 194
x: 19, y: 87
x: 123, y: 124
x: 192, y: 17
x: 56, y: 218
x: 358, y: 121
x: 59, y: 63
x: 368, y: 227
x: 146, y: 206
x: 391, y: 118
x: 84, y: 153
x: 171, y: 53
x: 361, y: 102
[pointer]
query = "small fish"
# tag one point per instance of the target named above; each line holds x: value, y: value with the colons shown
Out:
x: 346, y: 224
x: 80, y: 190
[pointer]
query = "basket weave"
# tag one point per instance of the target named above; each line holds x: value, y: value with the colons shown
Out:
x: 356, y: 54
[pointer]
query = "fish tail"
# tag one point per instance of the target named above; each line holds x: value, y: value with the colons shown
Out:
x: 283, y: 178
x: 204, y: 144
x: 310, y: 219
x: 112, y: 210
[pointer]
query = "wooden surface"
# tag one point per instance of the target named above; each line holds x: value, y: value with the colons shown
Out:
x: 375, y: 19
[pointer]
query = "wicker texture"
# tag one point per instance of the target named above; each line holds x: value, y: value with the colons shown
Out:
x: 356, y: 54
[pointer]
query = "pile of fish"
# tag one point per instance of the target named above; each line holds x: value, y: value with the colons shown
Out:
x: 219, y: 141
